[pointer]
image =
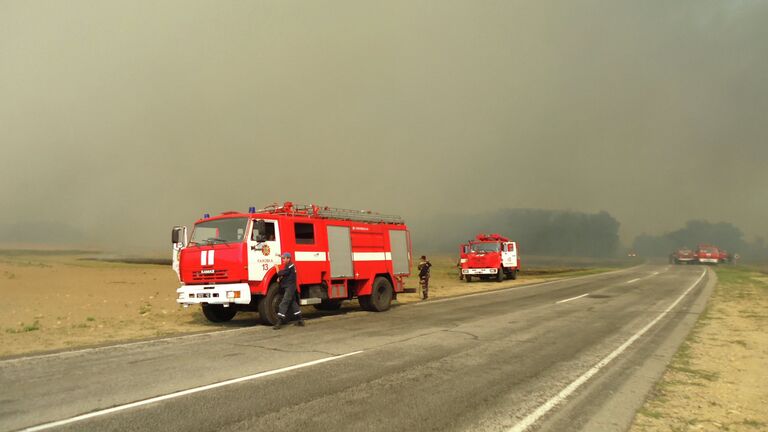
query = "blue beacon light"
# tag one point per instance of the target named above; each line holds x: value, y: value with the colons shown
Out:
x: 251, y: 209
x: 206, y: 216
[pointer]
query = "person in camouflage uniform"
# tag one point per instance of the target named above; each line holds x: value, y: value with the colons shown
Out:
x: 424, y: 266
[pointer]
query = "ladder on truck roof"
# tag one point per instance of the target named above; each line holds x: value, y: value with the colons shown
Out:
x: 331, y: 213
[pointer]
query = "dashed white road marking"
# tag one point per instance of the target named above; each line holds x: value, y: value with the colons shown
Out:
x: 184, y: 393
x: 633, y: 280
x: 564, y: 393
x: 572, y: 298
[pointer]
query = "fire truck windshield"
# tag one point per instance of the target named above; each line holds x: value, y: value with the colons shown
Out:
x: 484, y: 247
x: 219, y: 231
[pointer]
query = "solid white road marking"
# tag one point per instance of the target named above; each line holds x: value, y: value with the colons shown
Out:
x: 548, y: 405
x: 184, y: 393
x: 572, y: 298
x: 633, y: 280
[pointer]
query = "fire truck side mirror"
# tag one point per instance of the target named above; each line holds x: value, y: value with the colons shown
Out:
x: 177, y: 235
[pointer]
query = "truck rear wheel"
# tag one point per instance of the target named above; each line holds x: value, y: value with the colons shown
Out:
x: 269, y: 304
x: 380, y: 298
x: 513, y: 275
x: 218, y: 313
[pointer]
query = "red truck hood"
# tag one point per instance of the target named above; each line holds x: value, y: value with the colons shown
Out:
x: 229, y: 264
x: 484, y: 260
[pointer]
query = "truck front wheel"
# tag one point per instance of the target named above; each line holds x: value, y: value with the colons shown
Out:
x: 500, y: 274
x: 467, y: 278
x: 218, y: 313
x: 269, y: 303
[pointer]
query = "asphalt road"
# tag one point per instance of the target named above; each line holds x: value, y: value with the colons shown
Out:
x: 572, y: 355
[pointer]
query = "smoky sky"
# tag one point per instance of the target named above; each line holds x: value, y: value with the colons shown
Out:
x: 120, y: 119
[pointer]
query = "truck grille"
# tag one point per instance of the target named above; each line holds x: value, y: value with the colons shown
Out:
x: 208, y: 275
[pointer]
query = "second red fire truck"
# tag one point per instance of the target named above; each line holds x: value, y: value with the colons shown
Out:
x: 230, y: 262
x: 683, y: 255
x: 490, y: 257
x: 708, y: 254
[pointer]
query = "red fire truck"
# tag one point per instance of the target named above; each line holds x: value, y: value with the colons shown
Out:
x: 683, y: 255
x: 463, y: 251
x: 230, y: 262
x: 724, y: 256
x: 708, y: 254
x: 490, y: 256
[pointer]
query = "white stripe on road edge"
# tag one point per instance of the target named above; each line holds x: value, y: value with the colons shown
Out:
x: 633, y: 280
x: 184, y: 393
x: 572, y: 298
x: 548, y: 405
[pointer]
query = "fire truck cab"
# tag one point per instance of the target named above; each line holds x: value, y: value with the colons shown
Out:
x: 490, y: 257
x: 707, y: 254
x: 230, y: 263
x: 683, y: 255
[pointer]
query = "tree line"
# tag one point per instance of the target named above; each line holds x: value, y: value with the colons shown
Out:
x: 538, y: 231
x: 724, y: 235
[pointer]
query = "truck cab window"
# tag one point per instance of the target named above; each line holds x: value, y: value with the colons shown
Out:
x: 305, y: 233
x: 269, y: 232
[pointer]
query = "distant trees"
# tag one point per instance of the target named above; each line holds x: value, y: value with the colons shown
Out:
x: 722, y: 234
x: 539, y: 232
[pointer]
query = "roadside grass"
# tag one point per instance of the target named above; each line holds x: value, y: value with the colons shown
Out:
x: 691, y: 389
x: 25, y: 328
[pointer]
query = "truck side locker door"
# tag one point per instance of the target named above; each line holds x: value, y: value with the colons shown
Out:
x: 340, y: 251
x: 398, y: 242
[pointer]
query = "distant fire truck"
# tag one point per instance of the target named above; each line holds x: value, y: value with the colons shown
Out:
x: 683, y: 255
x: 708, y: 254
x: 490, y: 257
x: 463, y: 251
x: 724, y: 256
x: 230, y: 262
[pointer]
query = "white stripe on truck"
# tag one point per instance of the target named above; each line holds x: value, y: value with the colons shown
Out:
x: 310, y: 256
x: 371, y: 256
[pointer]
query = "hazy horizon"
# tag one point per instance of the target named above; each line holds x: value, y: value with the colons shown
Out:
x: 122, y: 119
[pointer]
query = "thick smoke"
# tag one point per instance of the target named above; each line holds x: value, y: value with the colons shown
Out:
x: 120, y: 120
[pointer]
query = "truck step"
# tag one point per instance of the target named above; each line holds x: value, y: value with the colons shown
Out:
x: 310, y: 301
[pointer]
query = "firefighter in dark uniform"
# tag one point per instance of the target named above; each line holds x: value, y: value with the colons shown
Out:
x: 289, y: 306
x: 424, y: 266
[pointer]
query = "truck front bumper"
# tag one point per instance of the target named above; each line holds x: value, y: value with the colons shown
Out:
x: 708, y: 260
x: 237, y: 293
x: 479, y: 271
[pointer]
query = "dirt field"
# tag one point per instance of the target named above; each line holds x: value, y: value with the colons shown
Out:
x: 718, y: 380
x: 55, y: 301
